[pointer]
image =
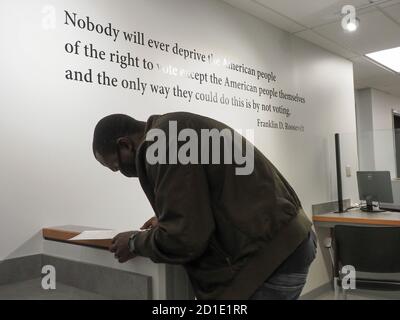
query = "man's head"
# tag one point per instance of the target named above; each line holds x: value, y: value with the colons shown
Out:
x: 115, y: 142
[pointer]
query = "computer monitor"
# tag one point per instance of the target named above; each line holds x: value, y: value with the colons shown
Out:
x: 374, y: 186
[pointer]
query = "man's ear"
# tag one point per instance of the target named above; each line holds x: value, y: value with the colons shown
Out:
x: 125, y: 142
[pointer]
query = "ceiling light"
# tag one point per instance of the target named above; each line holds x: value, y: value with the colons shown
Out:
x: 352, y: 25
x: 388, y: 58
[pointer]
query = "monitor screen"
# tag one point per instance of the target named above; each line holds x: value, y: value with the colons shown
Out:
x: 375, y: 186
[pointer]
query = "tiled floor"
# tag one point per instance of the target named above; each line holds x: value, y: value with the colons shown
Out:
x: 32, y: 290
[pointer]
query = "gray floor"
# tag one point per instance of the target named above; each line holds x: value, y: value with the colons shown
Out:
x: 32, y: 290
x: 363, y: 295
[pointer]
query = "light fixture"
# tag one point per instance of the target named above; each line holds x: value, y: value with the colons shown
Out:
x: 350, y: 22
x: 389, y: 58
x: 352, y: 25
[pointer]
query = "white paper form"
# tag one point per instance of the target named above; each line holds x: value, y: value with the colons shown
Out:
x: 96, y: 235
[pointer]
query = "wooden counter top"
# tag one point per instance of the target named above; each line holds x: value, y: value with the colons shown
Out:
x: 63, y: 233
x: 387, y: 218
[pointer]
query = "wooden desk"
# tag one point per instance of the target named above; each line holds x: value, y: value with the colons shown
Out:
x: 63, y: 233
x: 357, y: 217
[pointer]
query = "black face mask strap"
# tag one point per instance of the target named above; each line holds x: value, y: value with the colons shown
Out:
x: 124, y: 168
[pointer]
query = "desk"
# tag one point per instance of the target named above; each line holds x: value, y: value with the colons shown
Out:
x: 357, y: 217
x: 168, y: 281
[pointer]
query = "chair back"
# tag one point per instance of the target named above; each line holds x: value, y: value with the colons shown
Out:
x: 368, y: 249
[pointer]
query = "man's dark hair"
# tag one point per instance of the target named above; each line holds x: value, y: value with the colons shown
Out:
x: 109, y: 129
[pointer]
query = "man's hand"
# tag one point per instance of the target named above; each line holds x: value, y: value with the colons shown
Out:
x: 151, y: 223
x: 120, y: 247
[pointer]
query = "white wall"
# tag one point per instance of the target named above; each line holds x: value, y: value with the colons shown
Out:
x: 383, y: 106
x: 366, y: 152
x: 48, y: 175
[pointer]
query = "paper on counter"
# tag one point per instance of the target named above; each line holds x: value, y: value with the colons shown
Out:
x: 96, y: 235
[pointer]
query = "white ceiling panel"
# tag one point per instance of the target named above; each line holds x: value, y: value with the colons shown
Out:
x: 267, y: 15
x: 311, y: 36
x: 376, y: 32
x: 319, y: 22
x: 311, y: 13
x: 369, y: 75
x: 393, y: 11
x: 364, y: 69
x: 388, y: 3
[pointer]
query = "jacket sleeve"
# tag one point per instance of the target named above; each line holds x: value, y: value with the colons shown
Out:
x: 185, y: 218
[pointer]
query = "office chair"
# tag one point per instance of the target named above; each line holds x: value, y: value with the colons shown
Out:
x: 367, y: 249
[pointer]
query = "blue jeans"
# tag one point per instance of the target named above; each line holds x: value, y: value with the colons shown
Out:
x: 288, y: 281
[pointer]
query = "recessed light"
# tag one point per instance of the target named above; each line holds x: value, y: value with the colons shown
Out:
x: 389, y: 58
x: 350, y: 22
x: 353, y: 25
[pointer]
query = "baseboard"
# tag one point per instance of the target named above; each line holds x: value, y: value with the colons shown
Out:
x: 106, y: 281
x: 20, y: 269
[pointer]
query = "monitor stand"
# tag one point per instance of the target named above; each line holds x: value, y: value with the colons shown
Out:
x: 370, y: 208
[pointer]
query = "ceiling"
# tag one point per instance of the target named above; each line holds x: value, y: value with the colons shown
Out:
x: 319, y: 21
